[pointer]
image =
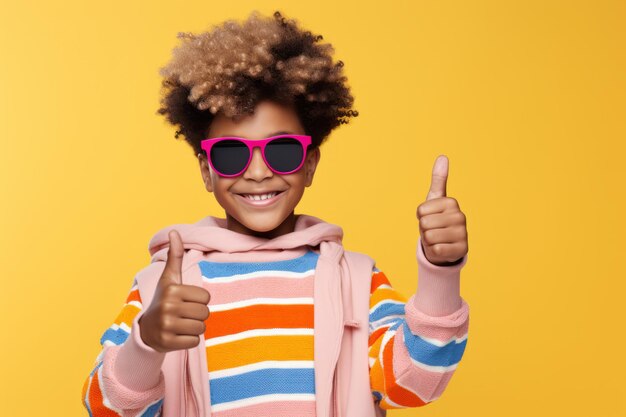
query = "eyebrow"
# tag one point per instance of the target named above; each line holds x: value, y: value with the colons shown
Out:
x: 282, y: 132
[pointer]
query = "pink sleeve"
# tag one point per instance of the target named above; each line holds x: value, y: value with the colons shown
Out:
x: 416, y: 346
x: 438, y: 287
x: 126, y: 380
x: 131, y: 372
x: 432, y: 341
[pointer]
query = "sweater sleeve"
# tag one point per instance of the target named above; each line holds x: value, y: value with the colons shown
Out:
x: 126, y: 379
x: 415, y: 345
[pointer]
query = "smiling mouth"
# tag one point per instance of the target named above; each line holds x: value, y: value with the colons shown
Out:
x: 260, y: 196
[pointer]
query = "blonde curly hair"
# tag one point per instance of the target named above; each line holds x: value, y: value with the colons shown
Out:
x: 232, y: 67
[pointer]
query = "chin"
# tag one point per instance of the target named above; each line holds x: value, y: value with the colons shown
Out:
x: 263, y: 223
x: 262, y: 226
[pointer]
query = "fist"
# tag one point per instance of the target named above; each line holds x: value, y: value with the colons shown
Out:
x: 443, y: 230
x: 176, y: 315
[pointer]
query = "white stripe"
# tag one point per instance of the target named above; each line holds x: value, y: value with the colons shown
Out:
x: 431, y: 368
x: 135, y: 303
x: 386, y: 398
x: 393, y: 317
x: 440, y: 343
x: 386, y: 337
x: 258, y: 274
x: 385, y: 301
x: 260, y: 300
x: 258, y: 366
x: 122, y: 325
x: 384, y: 286
x: 256, y: 333
x: 387, y: 325
x: 260, y: 399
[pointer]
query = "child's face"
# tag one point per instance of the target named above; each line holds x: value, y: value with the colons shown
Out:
x: 277, y: 218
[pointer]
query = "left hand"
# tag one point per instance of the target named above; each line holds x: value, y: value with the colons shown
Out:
x: 443, y: 230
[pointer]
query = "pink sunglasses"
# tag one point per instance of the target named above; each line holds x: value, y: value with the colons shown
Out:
x: 230, y: 156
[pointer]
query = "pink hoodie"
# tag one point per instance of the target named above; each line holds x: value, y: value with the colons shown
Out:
x: 134, y: 373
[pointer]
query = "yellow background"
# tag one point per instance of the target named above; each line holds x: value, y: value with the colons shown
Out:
x: 527, y: 100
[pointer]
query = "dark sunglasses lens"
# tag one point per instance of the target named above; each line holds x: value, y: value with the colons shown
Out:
x: 229, y: 157
x: 284, y: 154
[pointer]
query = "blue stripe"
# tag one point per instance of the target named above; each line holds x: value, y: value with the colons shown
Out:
x: 429, y: 354
x: 153, y: 410
x: 386, y: 309
x: 89, y: 387
x: 396, y: 324
x: 118, y: 336
x: 262, y: 382
x: 302, y: 263
x: 96, y: 368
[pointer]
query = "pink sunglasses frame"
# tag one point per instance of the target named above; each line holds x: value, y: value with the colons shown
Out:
x: 207, y: 144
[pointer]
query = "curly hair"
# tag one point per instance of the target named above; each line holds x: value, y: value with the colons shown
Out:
x: 232, y: 67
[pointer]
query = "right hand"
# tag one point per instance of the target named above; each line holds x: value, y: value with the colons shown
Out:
x: 176, y: 315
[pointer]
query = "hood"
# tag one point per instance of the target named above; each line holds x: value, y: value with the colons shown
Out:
x: 210, y: 234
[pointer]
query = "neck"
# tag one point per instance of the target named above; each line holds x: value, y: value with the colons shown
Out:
x: 287, y: 226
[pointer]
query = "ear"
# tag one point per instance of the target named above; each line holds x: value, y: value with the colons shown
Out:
x: 205, y: 171
x: 310, y: 164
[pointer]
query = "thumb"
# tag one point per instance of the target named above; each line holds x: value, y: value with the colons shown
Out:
x: 174, y: 264
x: 439, y: 178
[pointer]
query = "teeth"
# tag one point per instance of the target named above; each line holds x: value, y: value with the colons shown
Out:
x: 260, y: 197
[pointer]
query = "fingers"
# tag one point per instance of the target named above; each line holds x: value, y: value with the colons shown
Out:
x: 451, y: 234
x: 178, y: 342
x: 188, y: 327
x: 194, y: 311
x: 448, y: 252
x: 438, y: 205
x: 190, y: 293
x: 442, y: 220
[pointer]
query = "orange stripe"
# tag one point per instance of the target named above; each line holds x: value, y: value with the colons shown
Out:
x: 95, y: 400
x: 261, y: 348
x: 378, y: 278
x: 395, y: 392
x: 133, y: 296
x: 127, y: 315
x: 377, y: 379
x: 386, y: 294
x: 379, y: 332
x: 260, y: 316
x: 375, y: 348
x: 84, y: 391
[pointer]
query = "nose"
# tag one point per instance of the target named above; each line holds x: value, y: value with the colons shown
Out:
x: 257, y: 170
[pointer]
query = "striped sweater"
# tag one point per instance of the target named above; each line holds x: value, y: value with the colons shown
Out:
x: 259, y: 343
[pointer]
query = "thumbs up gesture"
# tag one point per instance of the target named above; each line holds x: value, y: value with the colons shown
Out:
x: 443, y: 230
x: 176, y: 315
